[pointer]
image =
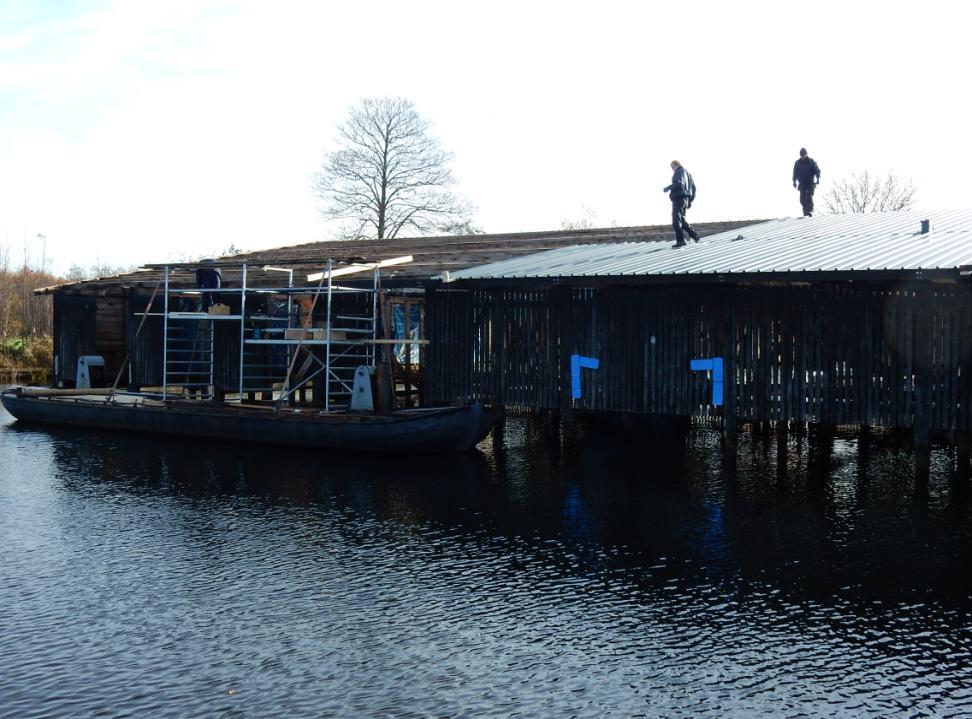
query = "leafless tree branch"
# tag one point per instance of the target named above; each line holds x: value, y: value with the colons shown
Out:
x: 862, y: 192
x: 389, y: 175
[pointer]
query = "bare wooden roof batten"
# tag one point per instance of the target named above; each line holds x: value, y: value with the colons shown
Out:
x: 431, y: 256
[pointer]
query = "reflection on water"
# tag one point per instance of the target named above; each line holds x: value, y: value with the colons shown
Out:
x: 608, y: 576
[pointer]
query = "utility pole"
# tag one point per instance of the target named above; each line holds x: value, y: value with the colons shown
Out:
x: 23, y: 322
x: 42, y: 239
x: 42, y: 320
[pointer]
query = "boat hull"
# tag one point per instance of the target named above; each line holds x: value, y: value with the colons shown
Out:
x: 450, y: 429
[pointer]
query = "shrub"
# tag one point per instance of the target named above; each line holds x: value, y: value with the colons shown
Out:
x: 40, y: 352
x: 17, y: 353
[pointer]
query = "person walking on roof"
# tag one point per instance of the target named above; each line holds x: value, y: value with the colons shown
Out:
x: 806, y: 176
x: 682, y: 193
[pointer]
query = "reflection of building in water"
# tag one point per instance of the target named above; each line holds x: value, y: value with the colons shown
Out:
x: 642, y: 512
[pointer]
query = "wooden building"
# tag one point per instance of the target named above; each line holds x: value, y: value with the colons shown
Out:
x: 856, y: 319
x: 102, y: 316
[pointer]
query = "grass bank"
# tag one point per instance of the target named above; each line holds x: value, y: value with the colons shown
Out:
x: 25, y: 359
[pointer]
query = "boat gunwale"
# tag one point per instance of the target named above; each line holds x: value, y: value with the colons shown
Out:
x: 214, y: 409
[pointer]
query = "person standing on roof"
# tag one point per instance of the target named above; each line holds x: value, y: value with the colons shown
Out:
x: 682, y: 193
x: 806, y: 176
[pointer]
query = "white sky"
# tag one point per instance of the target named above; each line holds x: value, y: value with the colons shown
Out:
x: 139, y: 131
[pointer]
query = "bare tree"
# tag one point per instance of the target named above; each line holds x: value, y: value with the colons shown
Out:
x: 6, y: 290
x: 587, y: 222
x: 390, y: 175
x: 24, y: 314
x: 77, y: 273
x: 863, y: 192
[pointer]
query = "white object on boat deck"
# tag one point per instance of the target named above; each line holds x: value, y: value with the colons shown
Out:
x: 361, y: 397
x: 91, y: 372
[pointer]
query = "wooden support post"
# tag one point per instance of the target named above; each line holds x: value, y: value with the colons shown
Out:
x: 730, y: 432
x: 383, y: 385
x: 962, y: 453
x: 922, y: 463
x: 863, y: 461
x: 685, y: 424
x: 824, y: 433
x: 499, y: 432
x: 568, y: 427
x: 921, y: 435
x: 729, y: 426
x: 561, y: 300
x: 800, y: 430
x: 820, y: 442
x: 551, y: 427
x: 627, y: 427
x: 921, y: 429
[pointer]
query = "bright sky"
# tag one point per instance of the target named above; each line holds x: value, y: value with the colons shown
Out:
x: 138, y: 131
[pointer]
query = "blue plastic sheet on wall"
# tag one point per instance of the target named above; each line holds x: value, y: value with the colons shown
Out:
x: 714, y: 365
x: 576, y: 363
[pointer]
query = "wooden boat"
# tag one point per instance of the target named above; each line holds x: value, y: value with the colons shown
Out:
x: 445, y: 429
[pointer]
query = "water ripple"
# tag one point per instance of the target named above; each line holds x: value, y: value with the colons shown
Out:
x: 146, y: 577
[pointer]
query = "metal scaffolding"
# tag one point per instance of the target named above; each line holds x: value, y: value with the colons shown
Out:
x: 284, y: 345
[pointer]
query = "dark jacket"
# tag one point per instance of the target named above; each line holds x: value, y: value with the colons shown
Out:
x: 682, y: 185
x: 805, y: 170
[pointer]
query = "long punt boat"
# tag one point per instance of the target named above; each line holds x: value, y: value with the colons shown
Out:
x: 441, y: 429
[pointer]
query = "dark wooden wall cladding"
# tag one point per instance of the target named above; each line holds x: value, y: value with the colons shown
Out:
x: 892, y: 356
x: 110, y: 333
x: 145, y: 345
x: 75, y: 334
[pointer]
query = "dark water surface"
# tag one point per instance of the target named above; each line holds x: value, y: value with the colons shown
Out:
x: 145, y: 577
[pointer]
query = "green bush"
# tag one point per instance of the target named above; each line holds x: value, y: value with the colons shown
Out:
x: 17, y: 353
x: 12, y: 346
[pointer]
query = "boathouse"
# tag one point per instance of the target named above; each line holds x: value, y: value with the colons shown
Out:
x: 850, y: 319
x: 106, y: 317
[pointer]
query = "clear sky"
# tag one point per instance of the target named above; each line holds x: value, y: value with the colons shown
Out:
x: 138, y: 131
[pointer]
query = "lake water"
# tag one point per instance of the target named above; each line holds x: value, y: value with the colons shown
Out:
x: 147, y: 577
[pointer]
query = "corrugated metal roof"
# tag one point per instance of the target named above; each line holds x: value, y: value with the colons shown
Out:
x: 827, y: 243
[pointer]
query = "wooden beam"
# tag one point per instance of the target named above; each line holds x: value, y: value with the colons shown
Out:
x: 44, y: 392
x: 359, y: 267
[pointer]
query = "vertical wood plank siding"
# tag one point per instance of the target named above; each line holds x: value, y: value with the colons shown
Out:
x: 110, y: 339
x: 75, y: 334
x: 889, y: 356
x: 145, y: 362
